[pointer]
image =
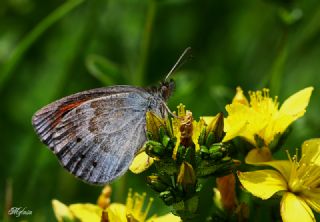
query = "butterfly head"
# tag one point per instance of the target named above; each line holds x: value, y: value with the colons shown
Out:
x: 166, y: 89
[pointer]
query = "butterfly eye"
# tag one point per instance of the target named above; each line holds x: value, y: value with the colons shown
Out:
x: 164, y: 89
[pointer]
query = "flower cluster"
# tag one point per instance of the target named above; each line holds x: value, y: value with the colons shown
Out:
x: 182, y: 152
x: 262, y: 123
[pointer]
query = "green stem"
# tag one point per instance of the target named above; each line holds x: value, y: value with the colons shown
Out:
x: 145, y: 43
x: 23, y: 46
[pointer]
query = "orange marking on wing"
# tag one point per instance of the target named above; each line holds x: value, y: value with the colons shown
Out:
x: 64, y: 109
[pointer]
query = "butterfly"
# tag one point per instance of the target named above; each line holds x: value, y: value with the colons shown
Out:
x: 96, y: 133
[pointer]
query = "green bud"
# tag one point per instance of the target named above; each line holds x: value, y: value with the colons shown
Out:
x: 215, y: 168
x: 162, y: 132
x: 165, y: 140
x: 216, y: 128
x: 204, y: 152
x: 202, y: 136
x: 210, y: 139
x: 218, y: 131
x: 156, y: 183
x: 215, y: 151
x: 154, y: 149
x: 167, y: 197
x: 204, y: 149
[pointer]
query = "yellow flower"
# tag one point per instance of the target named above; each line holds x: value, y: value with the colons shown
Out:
x: 299, y: 181
x: 261, y: 119
x: 132, y: 211
x: 115, y: 212
x: 262, y: 116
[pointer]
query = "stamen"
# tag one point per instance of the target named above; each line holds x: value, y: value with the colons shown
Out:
x: 288, y: 155
x: 135, y: 206
x: 148, y: 208
x: 129, y: 202
x: 138, y: 203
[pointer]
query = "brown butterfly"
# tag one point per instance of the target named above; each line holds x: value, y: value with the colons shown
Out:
x: 96, y: 133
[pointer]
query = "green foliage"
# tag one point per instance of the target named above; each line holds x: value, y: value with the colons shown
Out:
x: 50, y: 49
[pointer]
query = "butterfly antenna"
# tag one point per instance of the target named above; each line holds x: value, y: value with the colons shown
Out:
x: 182, y: 59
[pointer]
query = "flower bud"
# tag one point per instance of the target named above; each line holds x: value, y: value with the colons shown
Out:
x: 154, y: 149
x: 202, y: 136
x: 216, y: 128
x: 104, y: 198
x: 204, y: 152
x: 153, y: 124
x: 186, y: 177
x: 216, y: 151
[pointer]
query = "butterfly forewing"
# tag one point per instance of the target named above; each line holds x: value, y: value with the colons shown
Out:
x: 95, y: 134
x: 45, y: 120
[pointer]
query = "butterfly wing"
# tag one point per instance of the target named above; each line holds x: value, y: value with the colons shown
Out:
x: 46, y: 119
x: 97, y: 137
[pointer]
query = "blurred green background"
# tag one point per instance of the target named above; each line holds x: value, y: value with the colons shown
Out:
x: 53, y: 48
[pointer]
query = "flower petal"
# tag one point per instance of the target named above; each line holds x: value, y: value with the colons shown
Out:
x: 209, y: 119
x: 86, y: 212
x: 236, y: 121
x: 296, y: 104
x: 258, y: 155
x: 262, y: 183
x: 117, y: 213
x: 140, y: 163
x: 197, y: 127
x: 61, y: 211
x: 240, y: 97
x: 243, y: 121
x: 311, y: 151
x: 176, y: 134
x: 283, y: 166
x: 277, y: 125
x: 165, y: 218
x: 293, y: 208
